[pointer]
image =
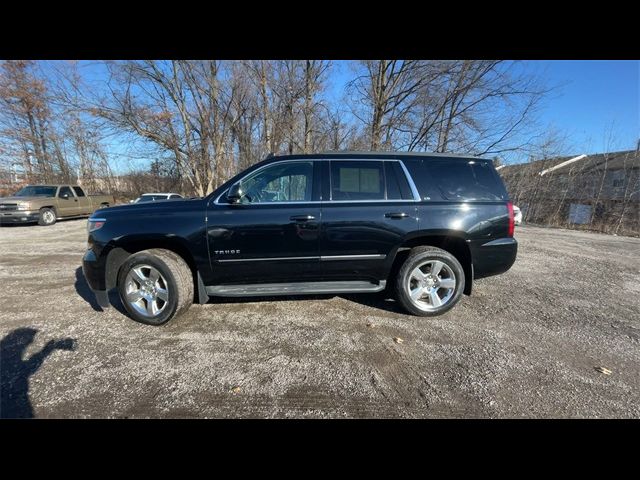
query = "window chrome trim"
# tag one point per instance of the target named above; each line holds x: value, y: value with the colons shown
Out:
x: 297, y: 160
x: 405, y: 200
x: 412, y: 185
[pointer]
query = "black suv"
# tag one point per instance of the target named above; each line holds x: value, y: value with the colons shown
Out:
x: 423, y: 226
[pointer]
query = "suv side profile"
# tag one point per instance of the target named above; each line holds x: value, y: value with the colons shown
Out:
x: 422, y: 226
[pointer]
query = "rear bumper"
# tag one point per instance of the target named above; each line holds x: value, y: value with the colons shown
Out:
x: 19, y: 217
x: 494, y: 257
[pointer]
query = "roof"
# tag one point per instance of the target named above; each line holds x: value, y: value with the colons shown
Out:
x: 365, y: 154
x: 597, y: 161
x: 159, y: 193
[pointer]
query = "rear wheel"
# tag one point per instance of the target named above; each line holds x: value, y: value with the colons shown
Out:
x: 430, y: 282
x: 47, y: 217
x: 155, y: 285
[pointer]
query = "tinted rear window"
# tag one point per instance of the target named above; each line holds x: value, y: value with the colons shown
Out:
x: 357, y: 180
x: 465, y: 180
x: 397, y: 186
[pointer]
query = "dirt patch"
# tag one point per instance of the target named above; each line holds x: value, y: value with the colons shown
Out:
x: 525, y: 344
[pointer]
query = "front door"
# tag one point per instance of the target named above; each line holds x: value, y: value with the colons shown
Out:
x: 84, y: 204
x: 271, y: 235
x: 67, y: 203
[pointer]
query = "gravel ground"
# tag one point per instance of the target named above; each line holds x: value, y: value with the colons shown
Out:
x: 525, y: 344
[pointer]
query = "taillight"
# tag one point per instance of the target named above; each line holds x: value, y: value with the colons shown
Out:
x: 512, y: 221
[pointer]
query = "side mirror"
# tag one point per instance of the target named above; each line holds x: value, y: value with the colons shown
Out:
x: 235, y: 193
x: 65, y: 196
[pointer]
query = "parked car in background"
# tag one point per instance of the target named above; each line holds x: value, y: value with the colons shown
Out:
x: 517, y: 215
x: 423, y: 226
x: 47, y: 203
x: 156, y: 197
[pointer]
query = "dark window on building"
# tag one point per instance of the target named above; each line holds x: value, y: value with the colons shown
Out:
x: 357, y: 180
x: 618, y: 182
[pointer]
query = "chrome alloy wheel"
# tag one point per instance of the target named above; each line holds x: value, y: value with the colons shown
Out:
x: 48, y: 216
x: 431, y: 285
x: 146, y: 290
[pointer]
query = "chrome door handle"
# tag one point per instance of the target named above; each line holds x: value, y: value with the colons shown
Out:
x: 302, y: 218
x: 396, y: 215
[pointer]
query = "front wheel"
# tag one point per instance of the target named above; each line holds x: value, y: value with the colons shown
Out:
x: 430, y: 282
x: 47, y: 217
x: 155, y: 285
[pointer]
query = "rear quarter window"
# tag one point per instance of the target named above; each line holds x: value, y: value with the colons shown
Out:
x: 465, y: 180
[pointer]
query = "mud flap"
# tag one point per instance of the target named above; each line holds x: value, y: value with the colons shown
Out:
x: 102, y: 296
x: 202, y: 296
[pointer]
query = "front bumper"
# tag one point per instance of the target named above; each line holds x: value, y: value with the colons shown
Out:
x: 18, y: 216
x: 93, y: 271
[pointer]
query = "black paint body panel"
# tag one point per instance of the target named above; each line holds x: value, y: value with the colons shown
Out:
x: 261, y: 243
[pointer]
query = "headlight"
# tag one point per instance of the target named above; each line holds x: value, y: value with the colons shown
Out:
x: 94, y: 224
x: 23, y: 206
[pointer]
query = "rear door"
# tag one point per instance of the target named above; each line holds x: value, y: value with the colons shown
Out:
x: 84, y: 202
x: 67, y: 202
x: 370, y: 209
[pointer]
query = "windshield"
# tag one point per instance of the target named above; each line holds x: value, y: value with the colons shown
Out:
x: 37, y: 191
x: 151, y: 198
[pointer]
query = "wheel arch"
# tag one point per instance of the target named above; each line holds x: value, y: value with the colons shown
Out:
x: 452, y: 241
x: 125, y: 247
x: 52, y: 207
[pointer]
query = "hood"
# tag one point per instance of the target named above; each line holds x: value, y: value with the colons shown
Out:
x: 18, y: 199
x: 141, y: 208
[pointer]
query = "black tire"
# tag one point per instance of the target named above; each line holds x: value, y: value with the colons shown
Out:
x: 417, y: 257
x: 47, y: 217
x: 174, y: 271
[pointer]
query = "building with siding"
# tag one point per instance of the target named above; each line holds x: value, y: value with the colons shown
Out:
x: 599, y: 191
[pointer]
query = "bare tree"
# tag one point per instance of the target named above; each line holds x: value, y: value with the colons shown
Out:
x: 478, y: 107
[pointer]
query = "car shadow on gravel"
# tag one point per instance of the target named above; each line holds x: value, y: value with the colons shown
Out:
x: 15, y: 372
x: 381, y: 301
x: 85, y: 292
x: 17, y: 225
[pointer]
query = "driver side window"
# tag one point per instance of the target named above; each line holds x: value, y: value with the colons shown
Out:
x: 281, y: 182
x: 65, y: 191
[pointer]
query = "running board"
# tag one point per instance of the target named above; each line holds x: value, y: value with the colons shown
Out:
x: 297, y: 288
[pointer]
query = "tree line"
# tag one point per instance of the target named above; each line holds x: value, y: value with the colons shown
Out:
x: 201, y: 121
